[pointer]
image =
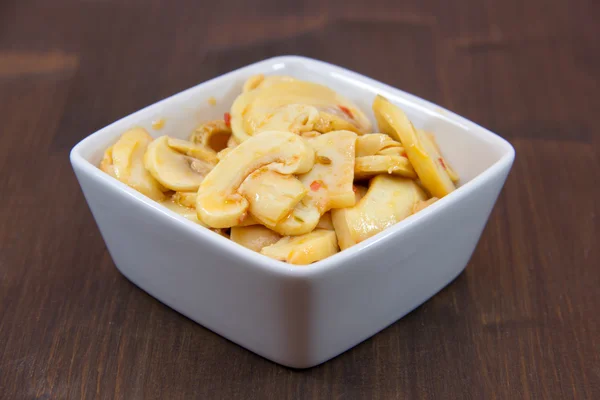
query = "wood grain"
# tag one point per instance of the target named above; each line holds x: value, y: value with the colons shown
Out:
x: 523, y: 321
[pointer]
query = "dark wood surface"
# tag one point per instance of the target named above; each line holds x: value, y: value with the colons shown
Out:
x: 523, y: 321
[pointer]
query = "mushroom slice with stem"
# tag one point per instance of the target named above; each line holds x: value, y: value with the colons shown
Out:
x: 254, y: 237
x: 388, y: 201
x: 303, y: 249
x: 271, y: 195
x: 303, y: 218
x: 329, y: 182
x: 178, y: 164
x: 125, y: 161
x: 421, y: 152
x: 219, y: 202
x: 251, y: 109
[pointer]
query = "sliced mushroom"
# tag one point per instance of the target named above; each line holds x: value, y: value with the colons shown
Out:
x: 295, y: 118
x: 420, y: 151
x: 341, y: 228
x: 125, y: 161
x: 242, y: 127
x: 186, y: 212
x: 329, y: 183
x: 195, y: 150
x: 219, y: 202
x: 303, y: 218
x: 254, y: 237
x: 251, y: 109
x: 451, y: 173
x: 330, y: 180
x: 178, y: 164
x: 388, y: 201
x: 334, y: 119
x: 213, y: 135
x: 368, y: 166
x: 271, y: 195
x: 304, y: 249
x: 377, y: 144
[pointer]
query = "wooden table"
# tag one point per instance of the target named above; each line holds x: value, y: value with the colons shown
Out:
x: 523, y: 321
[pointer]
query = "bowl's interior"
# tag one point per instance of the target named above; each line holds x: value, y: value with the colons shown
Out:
x: 469, y: 148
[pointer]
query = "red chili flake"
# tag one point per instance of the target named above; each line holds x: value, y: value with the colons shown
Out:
x: 227, y: 118
x: 441, y: 160
x: 354, y: 189
x: 316, y: 185
x: 346, y: 111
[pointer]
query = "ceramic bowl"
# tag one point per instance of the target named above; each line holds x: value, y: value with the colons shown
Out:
x: 298, y: 316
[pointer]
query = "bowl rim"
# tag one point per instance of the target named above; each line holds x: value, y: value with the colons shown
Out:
x: 269, y: 265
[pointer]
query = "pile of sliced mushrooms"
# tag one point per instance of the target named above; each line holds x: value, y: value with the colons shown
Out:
x: 294, y: 171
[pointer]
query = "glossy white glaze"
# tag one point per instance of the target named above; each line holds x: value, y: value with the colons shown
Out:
x: 298, y: 316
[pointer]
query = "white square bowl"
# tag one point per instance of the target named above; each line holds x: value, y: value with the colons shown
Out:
x: 298, y: 316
